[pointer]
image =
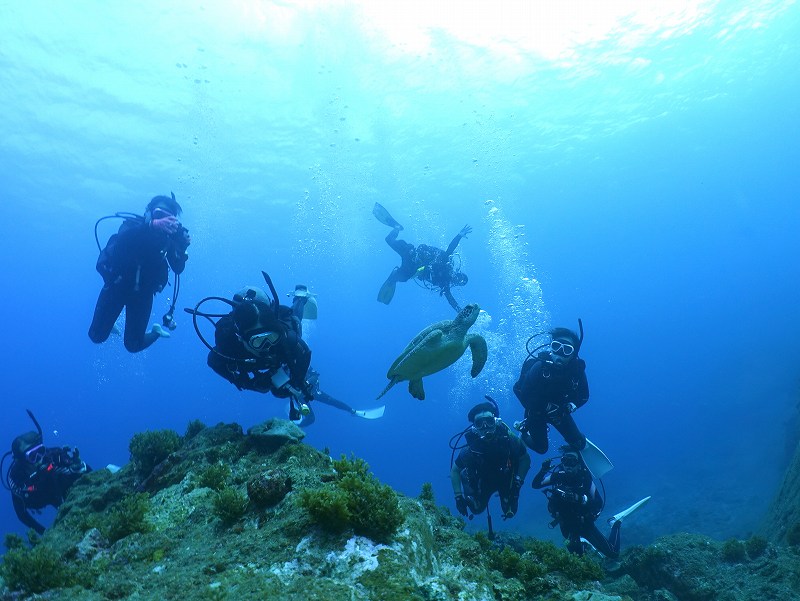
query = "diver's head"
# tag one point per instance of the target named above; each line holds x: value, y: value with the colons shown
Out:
x: 28, y: 447
x: 254, y: 320
x: 162, y: 206
x: 564, y: 345
x: 459, y: 279
x: 484, y: 418
x: 571, y: 461
x: 251, y: 294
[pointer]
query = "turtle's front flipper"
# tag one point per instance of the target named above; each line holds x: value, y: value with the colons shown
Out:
x: 479, y: 350
x: 416, y: 389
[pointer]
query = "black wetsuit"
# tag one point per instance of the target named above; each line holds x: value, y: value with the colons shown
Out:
x: 490, y: 465
x: 134, y: 266
x: 575, y: 503
x: 545, y: 391
x: 437, y: 263
x: 35, y: 486
x: 248, y: 372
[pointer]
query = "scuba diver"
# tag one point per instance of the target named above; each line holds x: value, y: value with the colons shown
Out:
x: 551, y: 386
x: 431, y: 266
x: 259, y: 346
x: 38, y: 475
x: 493, y: 460
x: 575, y: 503
x: 135, y: 266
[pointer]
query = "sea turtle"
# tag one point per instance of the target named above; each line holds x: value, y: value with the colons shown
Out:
x: 436, y: 347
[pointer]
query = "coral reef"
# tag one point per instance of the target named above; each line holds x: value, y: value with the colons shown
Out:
x: 315, y: 529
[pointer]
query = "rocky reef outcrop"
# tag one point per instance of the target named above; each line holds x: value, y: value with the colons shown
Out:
x: 222, y: 514
x: 782, y: 522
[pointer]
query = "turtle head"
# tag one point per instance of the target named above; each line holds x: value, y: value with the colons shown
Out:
x: 468, y: 314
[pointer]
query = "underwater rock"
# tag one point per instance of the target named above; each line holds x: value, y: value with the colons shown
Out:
x: 595, y: 596
x: 782, y: 522
x: 269, y: 488
x: 691, y: 567
x: 273, y: 434
x: 179, y: 548
x: 92, y: 545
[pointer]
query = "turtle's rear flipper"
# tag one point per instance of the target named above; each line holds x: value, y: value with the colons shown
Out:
x: 388, y: 386
x: 416, y: 389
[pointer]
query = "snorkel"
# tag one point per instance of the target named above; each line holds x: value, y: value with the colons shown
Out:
x: 35, y: 423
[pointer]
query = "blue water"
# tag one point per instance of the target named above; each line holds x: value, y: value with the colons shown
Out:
x: 637, y: 169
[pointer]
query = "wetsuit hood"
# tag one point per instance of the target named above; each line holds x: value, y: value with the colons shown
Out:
x: 24, y: 442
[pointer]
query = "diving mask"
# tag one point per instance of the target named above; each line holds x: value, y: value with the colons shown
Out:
x: 262, y: 341
x: 161, y: 213
x: 570, y: 461
x: 35, y: 454
x: 485, y: 424
x: 564, y: 349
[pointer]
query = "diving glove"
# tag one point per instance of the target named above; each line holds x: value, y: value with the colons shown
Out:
x: 461, y: 505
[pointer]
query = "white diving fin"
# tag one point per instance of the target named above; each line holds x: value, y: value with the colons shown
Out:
x: 597, y: 461
x: 310, y: 308
x: 376, y: 413
x: 626, y: 512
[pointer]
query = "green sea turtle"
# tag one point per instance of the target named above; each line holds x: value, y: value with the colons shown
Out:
x: 436, y: 347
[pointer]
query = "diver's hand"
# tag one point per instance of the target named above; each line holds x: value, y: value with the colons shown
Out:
x: 513, y: 505
x: 464, y: 231
x: 571, y: 407
x: 166, y: 225
x: 261, y: 382
x: 461, y: 504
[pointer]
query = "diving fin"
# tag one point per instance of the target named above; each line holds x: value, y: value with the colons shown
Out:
x: 304, y: 303
x: 595, y: 460
x: 327, y: 399
x: 383, y: 216
x: 376, y: 413
x: 626, y: 512
x: 310, y: 308
x: 386, y: 293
